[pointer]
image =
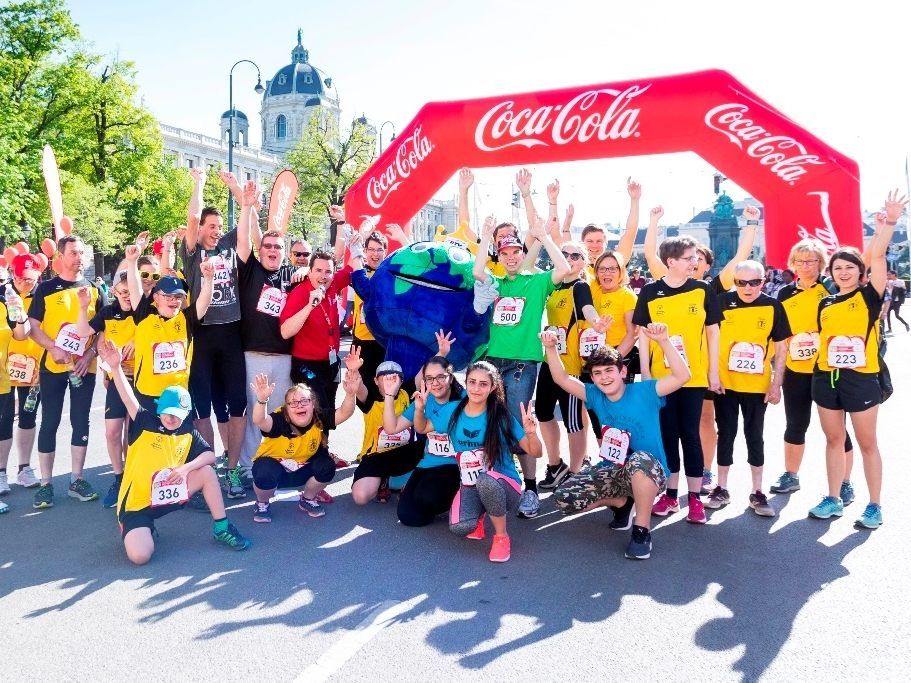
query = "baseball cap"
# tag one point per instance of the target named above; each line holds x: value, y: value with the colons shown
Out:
x: 26, y: 263
x: 170, y: 285
x: 507, y: 242
x: 175, y: 400
x: 389, y: 367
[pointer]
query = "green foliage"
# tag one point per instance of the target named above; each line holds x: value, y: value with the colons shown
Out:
x: 94, y: 219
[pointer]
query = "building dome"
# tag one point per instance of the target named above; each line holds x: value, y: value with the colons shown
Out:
x: 299, y: 77
x: 237, y: 115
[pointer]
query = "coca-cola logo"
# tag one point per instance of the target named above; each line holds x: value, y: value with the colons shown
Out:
x: 407, y: 158
x: 604, y: 114
x: 279, y: 217
x: 786, y: 157
x: 825, y: 234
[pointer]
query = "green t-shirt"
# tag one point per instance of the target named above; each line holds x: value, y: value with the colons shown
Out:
x: 517, y: 314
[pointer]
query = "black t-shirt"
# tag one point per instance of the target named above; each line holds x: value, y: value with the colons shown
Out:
x: 112, y: 311
x: 149, y: 421
x: 225, y: 307
x: 262, y: 297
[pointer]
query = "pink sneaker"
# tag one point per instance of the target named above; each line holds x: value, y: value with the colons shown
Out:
x: 665, y: 506
x: 499, y: 551
x: 478, y: 534
x: 325, y: 497
x: 695, y: 511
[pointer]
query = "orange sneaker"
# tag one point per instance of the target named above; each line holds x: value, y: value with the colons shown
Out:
x: 478, y: 534
x: 499, y: 551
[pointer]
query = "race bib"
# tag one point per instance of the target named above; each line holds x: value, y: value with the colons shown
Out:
x: 290, y: 465
x: 746, y: 358
x: 471, y: 465
x: 589, y: 340
x: 271, y: 301
x: 677, y: 343
x: 168, y: 494
x: 804, y: 346
x: 507, y: 310
x: 385, y: 441
x: 70, y: 341
x: 614, y: 445
x: 636, y: 290
x: 222, y: 274
x: 847, y: 352
x: 168, y: 357
x: 21, y: 368
x: 439, y: 445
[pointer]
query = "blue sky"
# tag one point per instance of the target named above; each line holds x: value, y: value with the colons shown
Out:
x: 841, y: 74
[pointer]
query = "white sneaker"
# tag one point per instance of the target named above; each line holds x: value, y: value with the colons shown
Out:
x: 4, y: 484
x: 27, y: 478
x: 3, y: 507
x: 528, y: 505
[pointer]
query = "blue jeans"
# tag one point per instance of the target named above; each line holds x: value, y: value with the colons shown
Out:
x: 519, y: 380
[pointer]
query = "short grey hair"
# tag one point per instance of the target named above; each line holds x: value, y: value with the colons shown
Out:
x: 750, y: 264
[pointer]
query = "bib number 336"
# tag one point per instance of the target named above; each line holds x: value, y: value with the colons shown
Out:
x: 164, y: 493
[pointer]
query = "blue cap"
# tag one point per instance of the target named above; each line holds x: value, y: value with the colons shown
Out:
x: 170, y: 285
x: 174, y: 400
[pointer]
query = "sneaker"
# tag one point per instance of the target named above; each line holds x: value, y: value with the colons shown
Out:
x: 707, y: 480
x: 246, y: 479
x: 787, y: 483
x: 639, y: 546
x: 665, y: 506
x: 198, y: 502
x: 232, y: 538
x: 529, y: 505
x: 27, y: 479
x: 234, y: 483
x: 760, y: 504
x: 311, y: 506
x: 499, y: 550
x: 871, y: 518
x: 846, y: 493
x: 384, y: 493
x: 261, y: 513
x: 623, y: 516
x: 718, y: 498
x: 828, y: 507
x: 110, y: 498
x: 4, y: 484
x: 339, y: 462
x: 695, y: 512
x: 325, y: 497
x: 44, y: 497
x: 479, y: 532
x: 82, y: 490
x: 221, y: 465
x: 3, y: 507
x: 554, y: 477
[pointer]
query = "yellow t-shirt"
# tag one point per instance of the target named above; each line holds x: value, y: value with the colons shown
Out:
x: 747, y: 341
x: 376, y: 440
x: 55, y: 303
x: 163, y: 348
x: 564, y: 312
x: 849, y: 331
x: 284, y: 442
x: 615, y: 304
x: 801, y: 307
x: 361, y: 331
x: 24, y: 356
x: 119, y: 328
x: 6, y: 335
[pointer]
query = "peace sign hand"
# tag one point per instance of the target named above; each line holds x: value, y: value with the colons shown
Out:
x: 529, y: 421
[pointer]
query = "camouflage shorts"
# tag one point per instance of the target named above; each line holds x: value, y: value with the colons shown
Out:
x: 602, y: 481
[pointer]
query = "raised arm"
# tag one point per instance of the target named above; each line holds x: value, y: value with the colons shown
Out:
x: 566, y: 230
x: 479, y: 271
x: 337, y: 214
x: 561, y: 378
x: 110, y: 354
x: 244, y: 223
x: 744, y: 247
x: 205, y: 290
x: 350, y: 385
x: 131, y: 255
x: 194, y: 208
x: 628, y: 240
x: 421, y: 424
x: 895, y: 204
x: 262, y: 390
x: 523, y: 182
x: 680, y: 374
x: 466, y: 180
x: 540, y: 233
x: 83, y: 329
x: 390, y: 386
x: 657, y: 269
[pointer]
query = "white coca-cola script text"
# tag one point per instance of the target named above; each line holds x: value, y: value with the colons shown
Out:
x: 408, y: 157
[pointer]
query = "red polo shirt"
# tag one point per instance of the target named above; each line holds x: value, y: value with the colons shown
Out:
x: 320, y: 331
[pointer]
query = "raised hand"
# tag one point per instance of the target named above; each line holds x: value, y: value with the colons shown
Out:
x: 602, y: 324
x: 553, y: 191
x: 490, y: 223
x: 548, y: 338
x: 142, y: 240
x: 84, y: 297
x: 879, y: 220
x: 570, y: 212
x: 444, y: 342
x: 261, y: 387
x: 337, y: 213
x: 131, y: 253
x: 633, y: 189
x: 523, y: 181
x: 207, y: 270
x: 529, y: 421
x: 109, y: 353
x: 352, y: 382
x: 657, y: 332
x: 466, y: 179
x: 656, y: 213
x: 230, y: 180
x: 394, y: 230
x: 420, y: 398
x: 390, y: 385
x: 250, y: 194
x: 751, y: 213
x: 368, y: 225
x: 167, y: 241
x: 199, y: 175
x: 353, y: 360
x: 538, y: 230
x: 895, y: 204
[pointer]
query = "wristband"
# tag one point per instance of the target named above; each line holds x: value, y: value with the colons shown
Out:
x: 262, y: 403
x: 752, y: 222
x: 892, y: 223
x: 526, y: 196
x: 552, y: 203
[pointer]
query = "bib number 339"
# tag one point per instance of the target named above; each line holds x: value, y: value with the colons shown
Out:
x: 164, y: 493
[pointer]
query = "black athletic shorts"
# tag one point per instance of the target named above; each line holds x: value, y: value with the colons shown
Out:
x: 144, y: 518
x: 846, y: 390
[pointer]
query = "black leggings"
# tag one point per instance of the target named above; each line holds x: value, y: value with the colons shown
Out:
x: 680, y: 428
x: 428, y: 493
x: 217, y: 351
x: 796, y: 390
x: 53, y: 387
x: 372, y: 354
x: 753, y: 408
x: 7, y: 409
x: 895, y: 307
x: 269, y: 474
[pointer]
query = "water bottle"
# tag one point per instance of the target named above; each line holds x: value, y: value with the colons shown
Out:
x: 12, y: 312
x: 31, y: 401
x: 75, y: 380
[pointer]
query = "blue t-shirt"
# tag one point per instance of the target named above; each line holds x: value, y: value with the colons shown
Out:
x: 469, y: 435
x: 636, y: 412
x: 431, y: 411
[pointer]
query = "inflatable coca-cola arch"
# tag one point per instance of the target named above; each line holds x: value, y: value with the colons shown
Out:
x: 806, y: 187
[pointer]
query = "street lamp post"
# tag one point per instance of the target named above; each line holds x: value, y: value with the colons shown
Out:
x: 383, y: 125
x: 259, y: 90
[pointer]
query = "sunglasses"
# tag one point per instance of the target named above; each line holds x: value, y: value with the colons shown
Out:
x: 272, y: 245
x: 300, y: 403
x: 301, y: 254
x: 574, y: 255
x: 146, y: 275
x: 749, y: 283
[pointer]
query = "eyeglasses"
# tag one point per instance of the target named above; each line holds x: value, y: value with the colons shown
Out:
x: 121, y: 292
x: 608, y: 270
x: 574, y: 255
x: 146, y: 275
x: 749, y: 283
x: 301, y: 254
x: 806, y: 263
x: 691, y: 259
x: 171, y: 297
x: 300, y: 403
x: 438, y: 379
x: 271, y: 245
x: 374, y: 250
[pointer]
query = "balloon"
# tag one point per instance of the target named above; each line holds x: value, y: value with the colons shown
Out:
x: 41, y: 260
x: 807, y: 188
x: 9, y: 254
x: 22, y: 247
x: 55, y: 265
x: 48, y: 247
x: 66, y: 225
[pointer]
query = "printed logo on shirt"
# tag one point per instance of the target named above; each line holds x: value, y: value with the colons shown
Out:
x: 471, y: 433
x: 761, y: 323
x: 692, y: 309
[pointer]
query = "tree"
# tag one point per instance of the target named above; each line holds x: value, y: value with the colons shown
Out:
x: 94, y: 219
x: 327, y: 162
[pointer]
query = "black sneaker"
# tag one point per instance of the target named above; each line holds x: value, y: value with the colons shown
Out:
x: 623, y: 516
x: 554, y: 476
x: 640, y: 545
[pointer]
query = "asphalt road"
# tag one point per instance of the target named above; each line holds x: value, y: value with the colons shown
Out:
x: 356, y: 596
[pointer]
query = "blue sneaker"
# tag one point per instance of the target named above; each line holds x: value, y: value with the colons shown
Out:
x: 872, y: 517
x: 787, y: 483
x: 828, y: 507
x: 707, y: 480
x: 847, y: 493
x: 110, y: 498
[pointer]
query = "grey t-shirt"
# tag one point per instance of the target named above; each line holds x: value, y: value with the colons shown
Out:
x: 225, y: 306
